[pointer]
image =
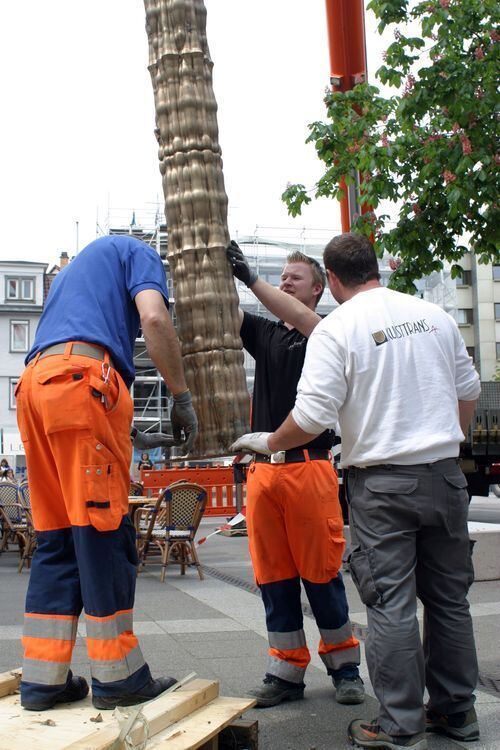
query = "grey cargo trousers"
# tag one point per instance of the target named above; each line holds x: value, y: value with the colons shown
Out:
x: 410, y: 524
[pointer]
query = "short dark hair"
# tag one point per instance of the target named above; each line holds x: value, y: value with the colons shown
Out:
x: 319, y: 276
x: 351, y: 257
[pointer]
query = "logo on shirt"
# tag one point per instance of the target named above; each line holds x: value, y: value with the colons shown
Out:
x: 402, y: 330
x: 379, y: 337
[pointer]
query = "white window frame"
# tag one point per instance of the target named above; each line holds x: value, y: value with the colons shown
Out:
x: 20, y: 281
x: 12, y: 387
x: 24, y: 323
x: 469, y: 315
x: 464, y: 279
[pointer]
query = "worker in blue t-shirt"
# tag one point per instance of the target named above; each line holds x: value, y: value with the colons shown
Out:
x: 74, y: 413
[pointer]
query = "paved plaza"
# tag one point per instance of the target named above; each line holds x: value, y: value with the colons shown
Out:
x: 216, y: 628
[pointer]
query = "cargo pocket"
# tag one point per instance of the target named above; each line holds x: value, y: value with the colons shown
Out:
x: 362, y: 566
x: 457, y: 501
x: 335, y: 547
x: 391, y: 485
x: 64, y: 398
x: 101, y: 494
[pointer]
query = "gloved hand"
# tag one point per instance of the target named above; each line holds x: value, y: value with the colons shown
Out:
x: 252, y: 442
x: 146, y: 440
x: 183, y: 418
x: 240, y: 266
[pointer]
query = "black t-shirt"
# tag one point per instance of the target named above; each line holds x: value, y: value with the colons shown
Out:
x: 279, y: 357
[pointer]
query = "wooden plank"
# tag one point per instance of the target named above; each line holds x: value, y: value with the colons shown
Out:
x: 199, y: 727
x: 71, y: 728
x: 9, y: 682
x: 160, y: 714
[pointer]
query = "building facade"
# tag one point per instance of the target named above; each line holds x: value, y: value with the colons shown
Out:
x: 22, y: 290
x: 478, y: 313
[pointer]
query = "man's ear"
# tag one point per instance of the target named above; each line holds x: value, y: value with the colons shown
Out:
x: 317, y: 289
x: 329, y: 275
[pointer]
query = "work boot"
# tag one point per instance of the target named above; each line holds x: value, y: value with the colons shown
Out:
x: 349, y: 690
x: 369, y: 734
x: 275, y: 690
x: 150, y: 690
x: 76, y: 690
x: 461, y: 726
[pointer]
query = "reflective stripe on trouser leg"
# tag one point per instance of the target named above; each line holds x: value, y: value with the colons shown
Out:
x: 288, y: 655
x: 113, y: 648
x: 338, y: 647
x: 53, y: 604
x: 288, y: 652
x: 107, y: 563
x: 48, y: 642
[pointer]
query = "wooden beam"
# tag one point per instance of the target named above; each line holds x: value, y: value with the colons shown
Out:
x: 198, y: 728
x: 161, y: 713
x: 9, y: 682
x: 74, y: 727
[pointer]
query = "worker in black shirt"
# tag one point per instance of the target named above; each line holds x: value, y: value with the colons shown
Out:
x: 294, y: 518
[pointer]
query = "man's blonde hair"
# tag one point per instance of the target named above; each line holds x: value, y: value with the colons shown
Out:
x: 318, y: 274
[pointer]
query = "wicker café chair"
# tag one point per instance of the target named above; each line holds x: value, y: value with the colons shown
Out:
x: 17, y: 524
x: 24, y: 492
x: 168, y: 528
x: 136, y: 489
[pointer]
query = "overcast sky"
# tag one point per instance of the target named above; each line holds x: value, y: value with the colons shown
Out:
x: 77, y: 141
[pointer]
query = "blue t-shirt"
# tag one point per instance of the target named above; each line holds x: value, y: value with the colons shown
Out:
x: 92, y: 299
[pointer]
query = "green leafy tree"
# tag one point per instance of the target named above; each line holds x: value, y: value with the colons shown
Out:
x: 431, y: 148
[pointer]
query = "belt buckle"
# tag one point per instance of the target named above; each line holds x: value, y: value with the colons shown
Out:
x: 278, y: 457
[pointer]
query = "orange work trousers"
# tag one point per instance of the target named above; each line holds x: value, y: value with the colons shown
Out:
x: 76, y: 433
x: 295, y: 531
x: 74, y: 415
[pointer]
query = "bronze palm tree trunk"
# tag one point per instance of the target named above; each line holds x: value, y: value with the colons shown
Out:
x: 206, y: 302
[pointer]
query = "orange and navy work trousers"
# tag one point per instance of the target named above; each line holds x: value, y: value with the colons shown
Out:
x: 74, y: 416
x: 295, y: 531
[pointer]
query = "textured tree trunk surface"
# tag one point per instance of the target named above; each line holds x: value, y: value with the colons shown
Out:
x: 206, y: 302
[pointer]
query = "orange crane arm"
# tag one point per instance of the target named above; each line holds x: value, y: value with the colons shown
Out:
x: 347, y: 44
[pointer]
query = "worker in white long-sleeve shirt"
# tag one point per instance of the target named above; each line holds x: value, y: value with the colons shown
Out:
x: 394, y: 372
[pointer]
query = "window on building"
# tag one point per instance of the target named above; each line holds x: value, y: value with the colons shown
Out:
x: 19, y: 335
x: 498, y: 349
x: 497, y: 310
x: 465, y: 316
x: 496, y: 273
x: 20, y: 288
x: 471, y: 352
x: 465, y: 278
x: 12, y: 387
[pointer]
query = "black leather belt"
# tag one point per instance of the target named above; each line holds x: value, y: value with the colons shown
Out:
x: 294, y: 456
x: 81, y: 348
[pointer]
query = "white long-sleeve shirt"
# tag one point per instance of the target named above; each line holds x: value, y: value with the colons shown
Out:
x: 388, y: 369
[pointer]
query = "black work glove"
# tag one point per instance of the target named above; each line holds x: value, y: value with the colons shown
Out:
x: 183, y: 418
x: 240, y: 266
x: 145, y: 440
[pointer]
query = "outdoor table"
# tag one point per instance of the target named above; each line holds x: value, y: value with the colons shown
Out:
x: 138, y: 501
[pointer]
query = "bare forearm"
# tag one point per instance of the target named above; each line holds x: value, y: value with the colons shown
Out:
x: 288, y: 435
x: 164, y: 349
x: 466, y: 411
x: 286, y: 307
